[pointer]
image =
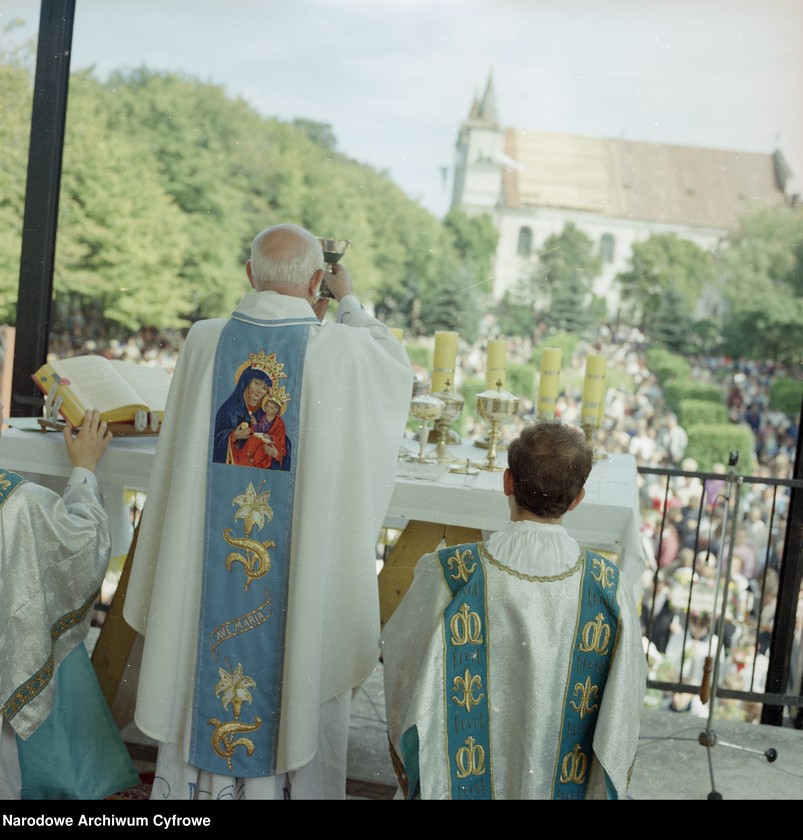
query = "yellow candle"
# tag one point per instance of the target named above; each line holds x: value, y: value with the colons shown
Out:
x: 399, y: 333
x: 444, y: 361
x: 549, y: 382
x: 496, y: 372
x: 601, y: 418
x: 593, y: 390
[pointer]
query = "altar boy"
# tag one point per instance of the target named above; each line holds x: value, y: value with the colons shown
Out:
x: 514, y: 667
x: 58, y: 739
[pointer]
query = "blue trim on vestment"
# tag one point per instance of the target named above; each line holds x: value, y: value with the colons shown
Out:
x: 595, y: 642
x: 249, y: 519
x: 466, y: 695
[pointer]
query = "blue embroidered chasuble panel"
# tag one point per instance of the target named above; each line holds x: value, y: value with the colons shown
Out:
x: 249, y: 517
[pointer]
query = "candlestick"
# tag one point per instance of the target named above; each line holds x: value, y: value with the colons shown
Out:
x: 593, y: 390
x: 549, y: 382
x: 496, y: 372
x: 444, y: 361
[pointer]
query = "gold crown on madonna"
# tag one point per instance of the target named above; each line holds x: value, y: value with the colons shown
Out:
x: 268, y: 364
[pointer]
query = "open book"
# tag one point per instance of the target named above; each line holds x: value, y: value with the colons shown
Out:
x: 123, y: 392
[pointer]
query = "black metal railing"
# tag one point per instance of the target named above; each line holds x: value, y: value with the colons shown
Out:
x: 753, y: 660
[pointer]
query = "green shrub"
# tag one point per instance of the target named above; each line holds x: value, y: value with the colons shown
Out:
x: 712, y: 443
x: 667, y: 365
x: 678, y: 390
x: 695, y: 412
x: 786, y: 395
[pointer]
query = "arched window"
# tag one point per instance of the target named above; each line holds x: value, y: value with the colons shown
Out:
x: 525, y: 247
x: 607, y: 247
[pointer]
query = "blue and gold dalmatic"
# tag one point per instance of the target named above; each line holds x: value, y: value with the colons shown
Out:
x: 595, y: 642
x: 468, y: 690
x: 465, y: 630
x: 249, y: 518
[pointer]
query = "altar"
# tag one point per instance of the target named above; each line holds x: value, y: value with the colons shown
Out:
x: 429, y: 503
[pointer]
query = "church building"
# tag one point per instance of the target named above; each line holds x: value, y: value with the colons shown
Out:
x: 618, y: 192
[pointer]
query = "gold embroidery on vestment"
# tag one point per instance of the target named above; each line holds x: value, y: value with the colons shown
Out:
x: 467, y: 685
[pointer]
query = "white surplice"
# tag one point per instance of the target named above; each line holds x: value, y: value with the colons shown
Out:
x: 532, y: 603
x: 355, y: 400
x: 54, y: 551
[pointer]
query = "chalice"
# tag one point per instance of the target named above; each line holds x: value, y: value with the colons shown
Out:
x: 333, y: 250
x: 425, y: 408
x: 498, y: 407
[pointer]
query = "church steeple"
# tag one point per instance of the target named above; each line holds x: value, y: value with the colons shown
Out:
x: 483, y: 109
x: 486, y: 111
x: 478, y: 173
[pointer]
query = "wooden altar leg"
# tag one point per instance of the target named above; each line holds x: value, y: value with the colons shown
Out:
x: 416, y: 539
x: 116, y: 639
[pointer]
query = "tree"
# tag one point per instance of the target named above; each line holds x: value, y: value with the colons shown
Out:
x: 559, y: 291
x: 763, y: 287
x: 668, y: 275
x: 16, y: 84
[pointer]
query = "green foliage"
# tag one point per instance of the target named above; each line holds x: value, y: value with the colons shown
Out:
x: 567, y: 266
x: 763, y: 287
x: 567, y: 343
x: 514, y: 317
x: 16, y: 85
x: 420, y: 356
x: 521, y: 381
x: 468, y: 391
x: 677, y: 390
x: 696, y: 412
x: 711, y: 444
x: 665, y: 284
x: 666, y: 365
x: 165, y: 182
x: 786, y: 395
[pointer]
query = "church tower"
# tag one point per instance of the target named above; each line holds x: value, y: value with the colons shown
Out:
x: 479, y: 154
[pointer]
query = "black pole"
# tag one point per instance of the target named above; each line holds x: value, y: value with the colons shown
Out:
x: 789, y: 580
x: 37, y: 258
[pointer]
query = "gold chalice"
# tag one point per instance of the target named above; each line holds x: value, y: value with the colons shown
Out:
x: 498, y: 407
x: 425, y: 407
x: 333, y: 250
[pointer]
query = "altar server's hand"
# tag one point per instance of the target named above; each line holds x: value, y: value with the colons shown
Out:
x: 86, y: 448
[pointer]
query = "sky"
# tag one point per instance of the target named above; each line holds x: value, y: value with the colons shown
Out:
x: 395, y: 78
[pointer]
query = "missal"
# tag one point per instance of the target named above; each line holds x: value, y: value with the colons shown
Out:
x: 129, y: 396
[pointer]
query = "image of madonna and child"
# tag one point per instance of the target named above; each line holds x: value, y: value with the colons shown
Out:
x: 249, y: 430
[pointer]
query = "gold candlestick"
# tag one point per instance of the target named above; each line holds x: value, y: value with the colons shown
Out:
x: 452, y: 406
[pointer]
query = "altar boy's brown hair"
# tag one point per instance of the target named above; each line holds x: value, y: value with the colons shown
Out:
x: 550, y: 463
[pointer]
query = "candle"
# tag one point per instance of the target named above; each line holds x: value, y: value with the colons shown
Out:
x: 495, y: 374
x: 601, y: 418
x: 399, y: 333
x: 549, y: 382
x: 443, y: 364
x: 593, y: 390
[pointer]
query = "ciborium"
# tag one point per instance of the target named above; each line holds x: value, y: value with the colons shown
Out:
x: 425, y: 408
x: 497, y: 407
x: 333, y: 250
